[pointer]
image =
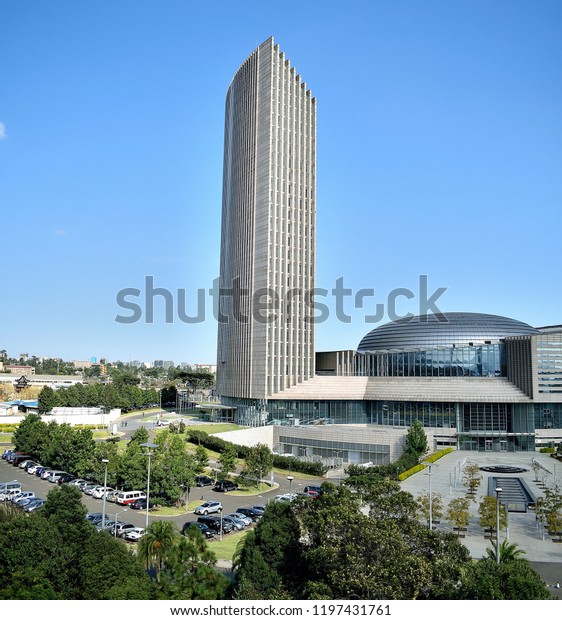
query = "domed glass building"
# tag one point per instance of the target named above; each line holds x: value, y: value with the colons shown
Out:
x: 452, y: 344
x: 475, y: 381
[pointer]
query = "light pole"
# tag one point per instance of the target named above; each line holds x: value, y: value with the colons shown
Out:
x: 498, y: 491
x: 221, y: 524
x: 115, y: 526
x: 149, y: 446
x: 290, y: 479
x: 105, y: 461
x: 429, y: 474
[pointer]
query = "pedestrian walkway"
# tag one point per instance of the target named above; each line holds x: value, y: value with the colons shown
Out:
x: 523, y: 529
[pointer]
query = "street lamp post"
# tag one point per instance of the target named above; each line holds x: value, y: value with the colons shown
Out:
x: 498, y: 491
x: 290, y: 479
x: 105, y: 461
x: 221, y: 524
x: 429, y: 474
x: 115, y: 526
x: 149, y: 446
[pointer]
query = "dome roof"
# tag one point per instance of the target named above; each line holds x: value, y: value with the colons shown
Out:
x: 449, y: 329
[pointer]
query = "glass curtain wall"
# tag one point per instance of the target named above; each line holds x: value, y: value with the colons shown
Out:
x: 480, y: 361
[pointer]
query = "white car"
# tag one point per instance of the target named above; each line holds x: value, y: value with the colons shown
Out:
x: 17, y: 499
x: 32, y: 469
x: 99, y: 492
x: 134, y: 535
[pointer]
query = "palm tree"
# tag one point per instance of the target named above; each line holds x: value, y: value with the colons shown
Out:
x: 508, y: 552
x: 157, y: 545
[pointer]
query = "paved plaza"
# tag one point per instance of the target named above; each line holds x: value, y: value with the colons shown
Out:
x: 545, y: 555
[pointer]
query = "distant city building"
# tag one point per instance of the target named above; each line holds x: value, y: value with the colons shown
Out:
x: 212, y: 368
x: 20, y: 369
x: 54, y: 381
x: 83, y: 365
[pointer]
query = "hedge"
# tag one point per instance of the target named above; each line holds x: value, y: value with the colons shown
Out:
x: 430, y: 459
x: 290, y: 463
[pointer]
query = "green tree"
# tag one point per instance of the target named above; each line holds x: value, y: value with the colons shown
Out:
x: 156, y: 547
x: 258, y: 462
x: 508, y: 552
x: 56, y: 554
x: 416, y: 440
x: 201, y: 458
x: 190, y: 573
x: 472, y: 478
x: 511, y: 580
x: 488, y: 514
x: 30, y: 435
x: 436, y: 506
x: 227, y: 461
x: 458, y: 513
x: 47, y: 399
x: 268, y: 561
x: 174, y: 469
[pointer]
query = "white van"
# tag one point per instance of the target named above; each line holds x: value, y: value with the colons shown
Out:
x: 10, y: 490
x: 9, y: 486
x: 128, y: 497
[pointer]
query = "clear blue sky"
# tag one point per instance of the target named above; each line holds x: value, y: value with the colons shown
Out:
x: 439, y: 153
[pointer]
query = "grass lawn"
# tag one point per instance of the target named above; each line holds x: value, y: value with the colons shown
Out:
x: 225, y: 549
x: 6, y: 438
x: 212, y: 428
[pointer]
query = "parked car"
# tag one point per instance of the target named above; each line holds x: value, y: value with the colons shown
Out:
x: 55, y: 475
x: 244, y: 518
x: 286, y: 497
x: 222, y: 486
x: 22, y: 503
x: 313, y: 488
x: 65, y: 478
x: 214, y: 523
x: 134, y: 535
x: 77, y: 482
x: 111, y: 496
x: 235, y: 523
x: 23, y: 464
x: 93, y: 516
x: 99, y: 492
x: 140, y: 504
x: 205, y: 530
x: 259, y: 509
x: 120, y: 529
x: 6, y: 453
x: 88, y: 488
x: 203, y: 481
x: 34, y: 505
x: 19, y: 458
x: 250, y: 512
x: 39, y: 471
x: 208, y: 508
x: 33, y: 468
x: 46, y: 473
x: 21, y: 496
x: 109, y: 524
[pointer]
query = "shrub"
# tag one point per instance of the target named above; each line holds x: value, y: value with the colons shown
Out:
x: 282, y: 462
x: 547, y: 450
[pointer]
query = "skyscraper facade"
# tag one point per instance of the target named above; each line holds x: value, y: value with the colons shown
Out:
x: 267, y: 265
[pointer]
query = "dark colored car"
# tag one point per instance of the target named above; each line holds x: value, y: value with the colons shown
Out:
x: 64, y: 478
x: 7, y: 453
x: 39, y: 471
x: 19, y: 458
x: 206, y: 531
x: 214, y: 523
x: 203, y: 481
x: 314, y: 489
x: 250, y: 512
x: 140, y: 504
x: 225, y: 485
